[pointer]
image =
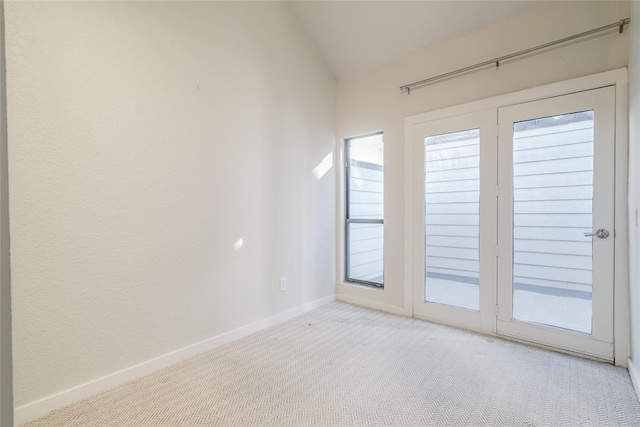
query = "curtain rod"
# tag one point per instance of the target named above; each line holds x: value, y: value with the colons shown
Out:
x: 619, y: 24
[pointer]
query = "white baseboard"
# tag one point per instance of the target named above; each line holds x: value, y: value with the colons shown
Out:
x: 635, y: 377
x: 39, y: 408
x: 401, y: 311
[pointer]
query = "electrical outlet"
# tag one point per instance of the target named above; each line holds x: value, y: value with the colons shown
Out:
x: 283, y: 284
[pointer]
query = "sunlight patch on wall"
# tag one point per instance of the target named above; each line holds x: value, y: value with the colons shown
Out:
x: 238, y: 244
x: 324, y: 166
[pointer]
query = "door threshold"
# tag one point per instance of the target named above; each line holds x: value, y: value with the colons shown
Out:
x: 519, y: 340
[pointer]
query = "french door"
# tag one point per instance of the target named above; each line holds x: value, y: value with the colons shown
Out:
x: 556, y: 218
x: 455, y: 164
x: 514, y: 221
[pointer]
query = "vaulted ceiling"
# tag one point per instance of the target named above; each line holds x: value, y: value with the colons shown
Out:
x: 356, y: 36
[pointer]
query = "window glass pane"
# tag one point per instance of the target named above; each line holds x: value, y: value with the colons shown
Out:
x: 452, y: 218
x: 552, y: 209
x: 366, y: 177
x: 365, y: 210
x: 365, y: 246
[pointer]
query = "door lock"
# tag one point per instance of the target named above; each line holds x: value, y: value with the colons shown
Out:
x: 601, y: 234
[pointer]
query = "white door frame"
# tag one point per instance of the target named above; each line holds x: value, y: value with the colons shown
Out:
x: 616, y: 78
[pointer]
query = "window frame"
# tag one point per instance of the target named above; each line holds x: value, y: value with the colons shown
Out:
x: 348, y: 220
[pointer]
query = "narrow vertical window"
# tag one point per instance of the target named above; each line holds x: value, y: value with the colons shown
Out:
x: 365, y: 210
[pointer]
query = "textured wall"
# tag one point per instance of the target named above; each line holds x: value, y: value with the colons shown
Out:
x: 372, y: 101
x: 161, y: 179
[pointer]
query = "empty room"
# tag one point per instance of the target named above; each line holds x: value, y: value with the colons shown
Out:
x: 319, y: 213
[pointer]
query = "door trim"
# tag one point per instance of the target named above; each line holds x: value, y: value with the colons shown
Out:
x: 616, y: 78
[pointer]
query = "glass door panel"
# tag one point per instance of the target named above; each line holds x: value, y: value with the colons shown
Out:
x: 452, y: 218
x: 552, y: 211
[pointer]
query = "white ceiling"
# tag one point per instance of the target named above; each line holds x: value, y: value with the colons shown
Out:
x: 356, y: 36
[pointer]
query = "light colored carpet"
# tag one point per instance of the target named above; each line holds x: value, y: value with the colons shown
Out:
x: 344, y: 365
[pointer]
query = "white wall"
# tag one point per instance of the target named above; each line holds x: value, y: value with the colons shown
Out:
x: 634, y: 183
x: 146, y: 140
x: 372, y: 101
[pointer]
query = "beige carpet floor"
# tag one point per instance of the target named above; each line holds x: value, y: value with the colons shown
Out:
x: 343, y: 365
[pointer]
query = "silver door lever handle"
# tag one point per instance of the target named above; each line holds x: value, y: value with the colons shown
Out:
x: 601, y: 234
